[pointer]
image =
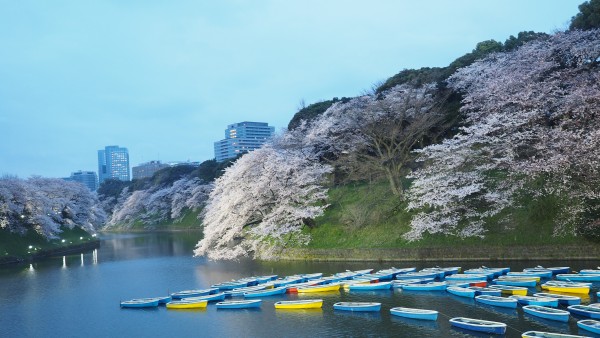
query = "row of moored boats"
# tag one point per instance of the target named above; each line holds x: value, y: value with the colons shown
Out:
x: 491, y: 286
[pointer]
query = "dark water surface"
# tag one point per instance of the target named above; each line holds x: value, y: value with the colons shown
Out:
x: 79, y: 295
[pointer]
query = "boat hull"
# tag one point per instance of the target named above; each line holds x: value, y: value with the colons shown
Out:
x: 357, y: 307
x: 414, y: 313
x: 589, y: 325
x: 585, y: 311
x: 313, y: 304
x: 186, y: 304
x: 478, y: 325
x: 547, y: 313
x: 497, y: 301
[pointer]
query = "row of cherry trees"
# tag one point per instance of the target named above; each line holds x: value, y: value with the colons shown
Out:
x: 163, y: 203
x: 264, y: 199
x: 46, y: 205
x: 532, y: 113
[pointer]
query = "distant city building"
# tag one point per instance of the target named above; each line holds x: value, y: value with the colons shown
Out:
x: 241, y: 138
x: 147, y: 169
x: 87, y: 178
x: 113, y: 163
x: 177, y: 163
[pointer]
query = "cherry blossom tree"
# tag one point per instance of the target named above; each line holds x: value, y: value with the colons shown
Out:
x: 263, y: 200
x: 529, y: 113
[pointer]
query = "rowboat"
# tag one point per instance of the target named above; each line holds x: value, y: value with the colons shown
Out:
x: 265, y: 279
x: 585, y: 311
x: 398, y: 271
x: 413, y: 275
x: 299, y: 304
x: 497, y: 301
x: 589, y: 325
x: 439, y: 273
x: 229, y: 285
x: 370, y: 286
x: 187, y: 304
x: 383, y: 275
x: 540, y: 334
x: 239, y: 304
x: 528, y: 277
x: 209, y: 298
x: 140, y: 303
x: 485, y: 291
x: 556, y: 269
x: 431, y: 286
x: 267, y: 292
x: 311, y: 276
x: 489, y: 274
x: 543, y: 273
x: 562, y: 299
x: 461, y: 292
x: 319, y: 288
x: 193, y: 293
x: 478, y: 325
x: 400, y: 283
x: 524, y: 282
x: 357, y: 306
x: 466, y: 277
x: 579, y: 277
x: 568, y: 287
x: 534, y: 300
x: 590, y: 271
x: 510, y: 290
x: 547, y: 312
x: 414, y: 313
x: 481, y: 283
x: 240, y: 291
x: 525, y: 274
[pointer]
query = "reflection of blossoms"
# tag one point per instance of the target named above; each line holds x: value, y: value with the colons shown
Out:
x: 530, y: 112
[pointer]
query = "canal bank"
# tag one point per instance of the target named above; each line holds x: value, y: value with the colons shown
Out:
x: 51, y: 252
x: 450, y: 253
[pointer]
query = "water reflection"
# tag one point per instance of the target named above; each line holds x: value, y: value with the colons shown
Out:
x: 428, y: 324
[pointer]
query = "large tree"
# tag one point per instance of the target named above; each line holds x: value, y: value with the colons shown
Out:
x: 530, y: 113
x: 588, y: 16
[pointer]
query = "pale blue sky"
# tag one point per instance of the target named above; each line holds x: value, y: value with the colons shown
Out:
x: 165, y: 78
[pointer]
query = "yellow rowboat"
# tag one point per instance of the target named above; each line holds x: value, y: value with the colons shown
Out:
x: 319, y: 288
x: 300, y: 304
x: 583, y: 289
x: 187, y: 304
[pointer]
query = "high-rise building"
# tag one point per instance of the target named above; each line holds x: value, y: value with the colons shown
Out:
x: 113, y: 163
x: 146, y: 169
x: 241, y: 138
x: 87, y: 178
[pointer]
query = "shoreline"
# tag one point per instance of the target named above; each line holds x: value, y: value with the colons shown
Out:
x: 62, y: 251
x: 456, y: 254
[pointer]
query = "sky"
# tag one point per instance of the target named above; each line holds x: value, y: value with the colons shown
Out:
x: 165, y: 78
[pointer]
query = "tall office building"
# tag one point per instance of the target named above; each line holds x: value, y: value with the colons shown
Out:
x: 241, y: 138
x: 147, y: 169
x: 87, y: 178
x: 113, y: 163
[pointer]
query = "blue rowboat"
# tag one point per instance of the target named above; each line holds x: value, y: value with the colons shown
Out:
x: 267, y: 292
x: 311, y: 276
x: 589, y: 325
x: 461, y: 292
x: 510, y: 290
x: 534, y: 300
x: 400, y: 283
x: 431, y: 286
x: 547, y: 312
x: 414, y: 313
x: 478, y: 325
x: 286, y: 281
x: 543, y: 273
x: 529, y: 283
x: 395, y: 271
x: 250, y: 281
x: 485, y: 272
x: 497, y: 301
x: 466, y: 277
x: 209, y: 298
x: 556, y: 269
x: 578, y: 277
x: 590, y: 271
x: 266, y: 279
x: 193, y: 293
x: 239, y: 304
x: 140, y: 303
x: 540, y: 334
x: 439, y: 272
x: 357, y: 306
x: 370, y: 286
x: 585, y: 311
x: 562, y: 299
x: 383, y: 275
x: 526, y: 274
x: 240, y: 291
x: 479, y: 291
x: 229, y: 285
x: 413, y: 275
